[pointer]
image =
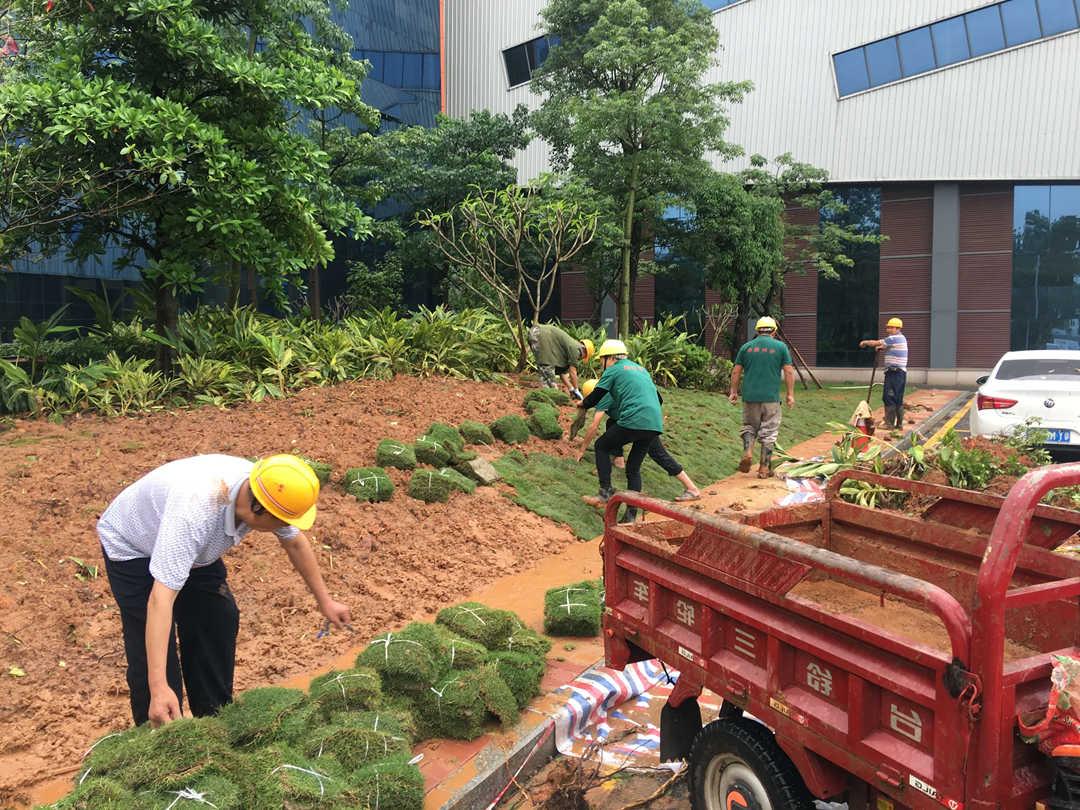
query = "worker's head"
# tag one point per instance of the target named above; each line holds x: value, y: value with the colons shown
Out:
x: 285, y: 487
x: 588, y: 386
x: 893, y: 326
x: 611, y: 351
x: 587, y: 350
x: 765, y: 326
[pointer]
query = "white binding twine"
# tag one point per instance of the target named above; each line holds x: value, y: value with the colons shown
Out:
x: 319, y: 776
x: 190, y: 794
x: 440, y: 692
x: 339, y: 679
x: 472, y: 612
x: 568, y: 604
x: 386, y: 642
x: 363, y: 482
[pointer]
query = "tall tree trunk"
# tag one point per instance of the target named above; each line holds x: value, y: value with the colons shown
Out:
x: 234, y: 285
x: 627, y: 251
x: 166, y: 319
x: 315, y: 293
x: 523, y: 343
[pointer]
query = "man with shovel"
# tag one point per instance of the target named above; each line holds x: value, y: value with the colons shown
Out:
x: 896, y: 353
x: 163, y: 538
x: 763, y: 361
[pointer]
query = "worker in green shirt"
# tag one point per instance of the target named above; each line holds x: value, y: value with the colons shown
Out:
x: 762, y: 360
x: 635, y: 399
x: 557, y: 354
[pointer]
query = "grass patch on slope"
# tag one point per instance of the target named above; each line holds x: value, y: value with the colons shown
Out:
x: 701, y: 430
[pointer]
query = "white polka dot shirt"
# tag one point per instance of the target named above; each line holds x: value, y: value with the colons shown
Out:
x: 181, y: 516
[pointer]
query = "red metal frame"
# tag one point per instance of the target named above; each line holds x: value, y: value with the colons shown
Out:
x: 737, y: 574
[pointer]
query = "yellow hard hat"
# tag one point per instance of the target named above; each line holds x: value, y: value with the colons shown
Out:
x: 610, y: 348
x: 588, y: 386
x: 765, y: 322
x: 589, y: 349
x: 899, y: 324
x: 287, y: 487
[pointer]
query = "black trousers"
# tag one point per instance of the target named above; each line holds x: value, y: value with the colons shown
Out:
x: 893, y: 391
x: 612, y: 442
x: 206, y: 621
x: 658, y: 453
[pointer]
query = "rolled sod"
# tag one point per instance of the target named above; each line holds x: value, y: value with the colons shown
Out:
x: 552, y: 396
x: 354, y: 747
x: 447, y: 435
x: 388, y: 718
x: 458, y: 481
x: 430, y: 486
x: 511, y: 429
x: 99, y: 794
x: 322, y: 470
x: 480, y: 623
x: 351, y: 690
x: 521, y: 672
x: 458, y: 652
x: 390, y: 785
x: 430, y: 450
x: 392, y: 453
x: 476, y: 432
x: 408, y: 660
x: 257, y: 716
x: 368, y: 484
x: 166, y: 758
x: 573, y: 610
x: 544, y: 422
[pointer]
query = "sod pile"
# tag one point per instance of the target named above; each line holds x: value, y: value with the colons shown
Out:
x: 392, y: 453
x: 551, y: 396
x: 521, y: 672
x: 408, y: 661
x: 488, y: 626
x: 574, y: 610
x: 390, y: 785
x: 368, y: 484
x: 429, y: 486
x: 263, y: 715
x: 322, y: 470
x: 476, y: 432
x: 354, y: 746
x: 511, y: 429
x: 544, y: 422
x: 357, y: 689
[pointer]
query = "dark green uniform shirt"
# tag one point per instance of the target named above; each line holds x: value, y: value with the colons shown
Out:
x: 556, y: 348
x: 762, y: 359
x: 633, y: 395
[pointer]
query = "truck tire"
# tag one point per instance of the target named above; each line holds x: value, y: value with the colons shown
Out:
x: 737, y: 765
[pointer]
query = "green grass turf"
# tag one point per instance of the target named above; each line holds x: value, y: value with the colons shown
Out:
x: 701, y: 430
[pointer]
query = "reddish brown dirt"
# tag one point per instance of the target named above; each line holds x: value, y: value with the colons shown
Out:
x: 389, y: 562
x: 895, y: 615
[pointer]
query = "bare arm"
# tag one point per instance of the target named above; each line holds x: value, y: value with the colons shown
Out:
x: 871, y: 344
x: 303, y: 560
x: 789, y: 384
x: 736, y: 378
x: 598, y: 417
x: 164, y: 704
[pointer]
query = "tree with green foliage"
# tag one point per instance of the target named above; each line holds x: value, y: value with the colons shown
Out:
x: 627, y: 106
x: 177, y: 131
x: 510, y: 245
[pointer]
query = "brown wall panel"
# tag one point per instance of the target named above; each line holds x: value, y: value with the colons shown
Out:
x: 985, y: 281
x: 982, y: 339
x: 904, y: 286
x: 906, y: 191
x: 575, y: 300
x: 800, y: 312
x: 644, y: 303
x: 801, y: 332
x: 985, y: 218
x: 909, y: 226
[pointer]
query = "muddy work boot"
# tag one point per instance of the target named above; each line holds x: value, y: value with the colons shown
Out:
x: 599, y: 501
x: 899, y: 417
x: 890, y: 416
x: 747, y: 460
x: 764, y: 469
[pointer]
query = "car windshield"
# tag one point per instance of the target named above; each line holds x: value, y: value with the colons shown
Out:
x: 1029, y: 367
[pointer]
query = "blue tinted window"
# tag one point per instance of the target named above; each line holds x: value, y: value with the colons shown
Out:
x: 538, y: 52
x: 950, y: 41
x: 431, y: 71
x: 377, y: 62
x: 715, y: 4
x: 984, y: 30
x: 1021, y: 21
x: 883, y: 61
x: 916, y: 52
x: 1065, y: 202
x: 851, y: 72
x: 1057, y: 16
x: 392, y: 69
x: 412, y: 69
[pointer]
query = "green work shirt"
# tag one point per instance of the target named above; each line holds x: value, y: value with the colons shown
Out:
x: 607, y: 405
x: 634, y: 396
x: 556, y: 348
x: 762, y: 360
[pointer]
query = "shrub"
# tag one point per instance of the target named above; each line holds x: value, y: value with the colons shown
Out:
x: 392, y: 453
x: 544, y: 422
x: 368, y: 484
x: 511, y: 429
x: 476, y: 432
x: 521, y: 672
x: 430, y: 487
x: 573, y: 610
x: 430, y: 450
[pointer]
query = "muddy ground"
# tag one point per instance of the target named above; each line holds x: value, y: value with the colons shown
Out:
x: 389, y: 562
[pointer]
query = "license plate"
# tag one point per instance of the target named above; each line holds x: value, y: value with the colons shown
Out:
x: 1060, y: 436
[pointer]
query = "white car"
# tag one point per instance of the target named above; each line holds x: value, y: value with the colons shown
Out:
x: 1041, y: 384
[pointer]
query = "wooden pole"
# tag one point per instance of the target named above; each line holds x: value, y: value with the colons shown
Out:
x: 799, y: 359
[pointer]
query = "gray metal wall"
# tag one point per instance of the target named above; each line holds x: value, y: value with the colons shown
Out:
x: 1011, y: 115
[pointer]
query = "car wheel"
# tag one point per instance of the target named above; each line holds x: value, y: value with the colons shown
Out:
x: 737, y: 765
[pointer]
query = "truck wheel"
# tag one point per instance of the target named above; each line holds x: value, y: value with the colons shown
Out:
x: 737, y: 765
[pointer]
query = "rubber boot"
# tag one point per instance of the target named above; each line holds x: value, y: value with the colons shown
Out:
x: 899, y: 417
x: 890, y: 416
x: 747, y: 459
x: 765, y: 462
